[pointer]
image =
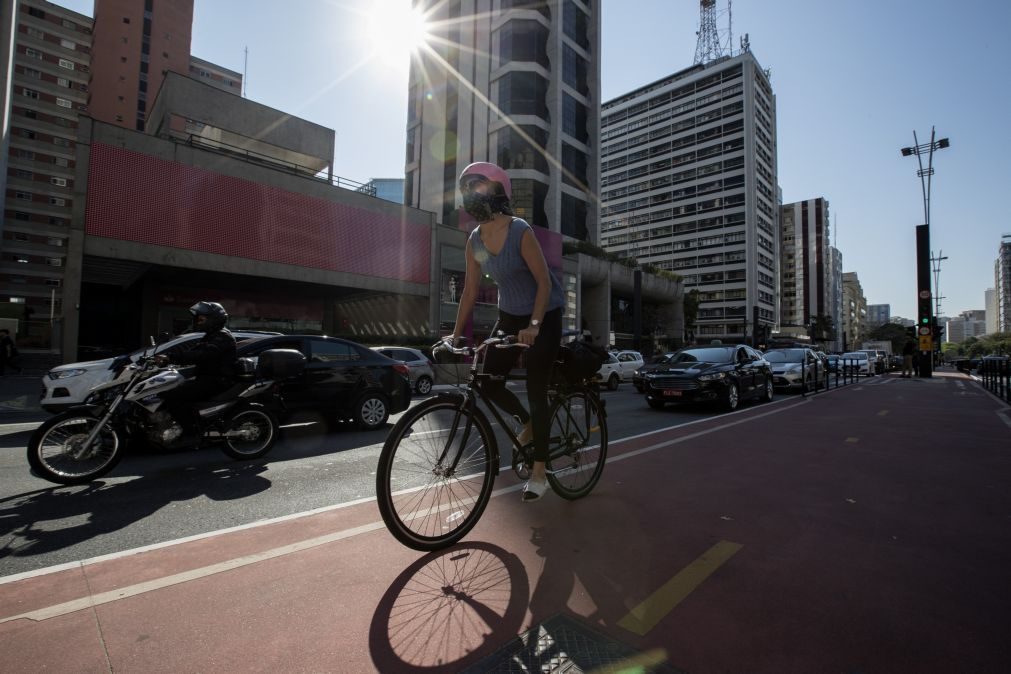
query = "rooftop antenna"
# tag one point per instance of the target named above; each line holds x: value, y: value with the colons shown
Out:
x: 245, y: 67
x: 708, y: 48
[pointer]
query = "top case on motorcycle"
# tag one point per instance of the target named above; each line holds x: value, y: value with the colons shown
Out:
x: 280, y: 364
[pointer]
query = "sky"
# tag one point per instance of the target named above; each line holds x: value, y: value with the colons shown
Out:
x: 853, y: 80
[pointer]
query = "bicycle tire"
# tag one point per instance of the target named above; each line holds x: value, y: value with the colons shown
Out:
x: 412, y: 494
x: 578, y: 444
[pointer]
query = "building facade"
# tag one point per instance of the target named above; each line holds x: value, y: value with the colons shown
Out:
x: 990, y: 298
x: 49, y: 87
x: 806, y: 270
x: 967, y: 324
x: 391, y: 189
x: 854, y: 312
x: 878, y: 314
x: 1002, y: 281
x: 835, y: 299
x: 688, y: 183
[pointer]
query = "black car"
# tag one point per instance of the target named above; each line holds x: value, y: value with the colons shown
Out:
x: 639, y: 376
x: 342, y: 379
x: 720, y: 374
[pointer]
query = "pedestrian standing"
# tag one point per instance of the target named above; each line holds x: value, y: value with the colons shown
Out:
x: 907, y: 359
x: 8, y: 353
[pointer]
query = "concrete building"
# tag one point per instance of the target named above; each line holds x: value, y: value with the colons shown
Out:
x: 970, y: 323
x: 854, y: 312
x: 1002, y: 283
x: 688, y: 184
x: 878, y: 314
x: 391, y: 189
x: 48, y: 77
x: 216, y: 76
x: 518, y: 84
x: 990, y: 297
x: 805, y: 269
x: 835, y: 298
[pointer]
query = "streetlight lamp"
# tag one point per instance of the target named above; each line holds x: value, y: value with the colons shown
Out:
x: 925, y: 314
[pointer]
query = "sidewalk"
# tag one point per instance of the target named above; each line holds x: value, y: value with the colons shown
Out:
x: 865, y: 529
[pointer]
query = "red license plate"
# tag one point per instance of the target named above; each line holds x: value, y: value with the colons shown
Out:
x: 671, y: 393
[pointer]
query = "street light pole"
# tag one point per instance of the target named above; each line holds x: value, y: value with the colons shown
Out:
x: 925, y: 317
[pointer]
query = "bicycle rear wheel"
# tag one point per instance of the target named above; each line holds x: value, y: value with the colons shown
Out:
x: 578, y: 444
x: 426, y: 503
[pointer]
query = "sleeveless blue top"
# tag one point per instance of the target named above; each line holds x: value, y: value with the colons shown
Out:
x: 517, y: 288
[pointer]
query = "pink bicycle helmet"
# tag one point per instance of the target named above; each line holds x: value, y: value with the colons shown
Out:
x: 492, y: 173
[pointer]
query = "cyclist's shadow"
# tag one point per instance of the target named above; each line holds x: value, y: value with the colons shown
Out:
x: 449, y: 610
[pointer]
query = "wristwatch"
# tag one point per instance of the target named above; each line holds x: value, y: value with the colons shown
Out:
x: 534, y: 323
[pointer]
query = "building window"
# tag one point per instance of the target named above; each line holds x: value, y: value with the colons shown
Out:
x: 30, y: 93
x: 35, y: 32
x: 54, y: 282
x: 27, y: 133
x: 67, y: 23
x: 67, y: 44
x: 61, y: 161
x: 64, y: 63
x: 20, y: 236
x: 21, y: 173
x: 23, y: 196
x: 522, y: 40
x: 21, y: 215
x: 57, y: 201
x: 575, y: 24
x: 574, y: 117
x: 54, y: 261
x: 31, y: 114
x: 574, y: 217
x: 528, y: 201
x: 64, y: 103
x: 516, y: 152
x: 37, y: 13
x: 33, y: 53
x: 574, y: 70
x: 20, y: 259
x: 59, y: 182
x: 62, y: 142
x: 54, y: 241
x: 574, y: 162
x: 523, y: 93
x: 33, y: 73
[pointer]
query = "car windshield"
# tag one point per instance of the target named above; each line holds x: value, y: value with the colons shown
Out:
x: 785, y: 356
x: 855, y: 355
x: 714, y: 355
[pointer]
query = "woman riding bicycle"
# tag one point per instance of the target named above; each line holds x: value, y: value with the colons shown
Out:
x: 530, y: 301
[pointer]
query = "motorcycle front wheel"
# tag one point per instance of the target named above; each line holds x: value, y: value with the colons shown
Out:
x: 56, y: 449
x: 249, y: 433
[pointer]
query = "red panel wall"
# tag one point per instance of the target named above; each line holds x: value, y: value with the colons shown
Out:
x: 135, y: 197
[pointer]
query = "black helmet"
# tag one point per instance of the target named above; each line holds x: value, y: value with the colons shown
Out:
x: 214, y: 313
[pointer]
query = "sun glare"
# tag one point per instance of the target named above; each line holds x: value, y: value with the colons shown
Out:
x: 395, y: 30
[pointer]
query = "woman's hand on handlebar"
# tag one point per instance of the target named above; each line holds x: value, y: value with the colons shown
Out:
x: 528, y: 335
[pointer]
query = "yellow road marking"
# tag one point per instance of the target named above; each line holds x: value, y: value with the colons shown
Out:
x: 852, y: 440
x: 883, y: 413
x: 646, y: 615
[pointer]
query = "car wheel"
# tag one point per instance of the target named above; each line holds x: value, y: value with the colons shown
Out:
x: 371, y: 411
x: 656, y: 404
x: 733, y: 398
x: 613, y: 381
x: 767, y: 394
x: 423, y: 386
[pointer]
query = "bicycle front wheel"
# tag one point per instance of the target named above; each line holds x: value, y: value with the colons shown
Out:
x: 436, y: 473
x: 578, y: 444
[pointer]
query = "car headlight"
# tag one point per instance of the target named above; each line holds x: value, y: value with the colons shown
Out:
x: 712, y: 377
x: 65, y: 374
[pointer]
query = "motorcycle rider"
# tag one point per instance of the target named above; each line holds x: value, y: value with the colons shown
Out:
x: 213, y: 357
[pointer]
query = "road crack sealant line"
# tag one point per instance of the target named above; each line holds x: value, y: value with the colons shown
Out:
x: 136, y: 589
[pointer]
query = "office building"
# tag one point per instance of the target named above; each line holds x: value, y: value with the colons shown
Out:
x: 1002, y: 281
x: 878, y: 314
x: 390, y: 189
x: 835, y: 299
x: 990, y: 299
x: 805, y: 270
x: 970, y: 323
x: 855, y: 328
x: 688, y: 184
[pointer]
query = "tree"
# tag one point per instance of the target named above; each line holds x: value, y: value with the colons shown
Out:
x: 691, y: 309
x: 822, y: 328
x: 890, y: 332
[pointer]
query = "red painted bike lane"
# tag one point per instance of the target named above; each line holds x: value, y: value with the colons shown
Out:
x: 861, y: 530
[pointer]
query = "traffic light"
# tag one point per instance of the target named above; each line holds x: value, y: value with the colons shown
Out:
x: 938, y: 332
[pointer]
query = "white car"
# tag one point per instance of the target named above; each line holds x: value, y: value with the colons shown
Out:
x: 856, y: 362
x: 630, y: 361
x: 68, y: 385
x: 609, y: 373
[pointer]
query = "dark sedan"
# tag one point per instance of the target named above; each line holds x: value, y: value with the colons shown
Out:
x: 639, y: 376
x: 342, y: 380
x: 725, y: 375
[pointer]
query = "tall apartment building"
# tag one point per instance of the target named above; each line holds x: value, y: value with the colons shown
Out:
x: 1002, y: 282
x: 854, y: 312
x: 133, y: 47
x: 878, y: 314
x: 49, y: 87
x: 971, y: 323
x: 805, y: 265
x: 835, y: 298
x: 537, y: 64
x: 990, y: 299
x: 688, y: 183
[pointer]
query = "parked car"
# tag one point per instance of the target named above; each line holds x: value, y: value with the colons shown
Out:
x: 609, y: 373
x: 422, y: 370
x: 719, y: 374
x: 878, y: 360
x: 857, y: 362
x: 342, y: 379
x: 67, y: 385
x: 630, y: 361
x: 793, y: 369
x: 639, y: 376
x: 832, y: 362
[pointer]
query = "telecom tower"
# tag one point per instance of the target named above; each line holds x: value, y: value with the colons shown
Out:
x: 710, y: 45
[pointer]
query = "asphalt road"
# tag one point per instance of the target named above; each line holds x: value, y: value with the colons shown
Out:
x: 154, y: 498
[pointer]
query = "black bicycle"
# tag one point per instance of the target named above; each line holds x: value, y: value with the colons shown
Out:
x: 438, y: 465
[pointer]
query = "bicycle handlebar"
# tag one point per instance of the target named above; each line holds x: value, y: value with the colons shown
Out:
x: 506, y: 342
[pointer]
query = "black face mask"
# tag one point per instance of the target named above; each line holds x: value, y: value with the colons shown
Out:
x: 478, y: 206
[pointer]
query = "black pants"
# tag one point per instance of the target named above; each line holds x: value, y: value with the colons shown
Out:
x: 539, y: 360
x: 179, y: 401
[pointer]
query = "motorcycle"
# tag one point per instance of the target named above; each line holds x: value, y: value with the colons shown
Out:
x: 87, y: 441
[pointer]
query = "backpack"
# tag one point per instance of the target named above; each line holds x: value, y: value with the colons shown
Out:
x: 580, y: 361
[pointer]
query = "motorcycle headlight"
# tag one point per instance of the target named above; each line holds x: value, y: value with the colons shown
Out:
x: 65, y: 374
x: 712, y: 377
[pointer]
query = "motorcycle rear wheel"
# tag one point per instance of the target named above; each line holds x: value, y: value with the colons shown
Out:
x: 249, y: 433
x: 54, y: 450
